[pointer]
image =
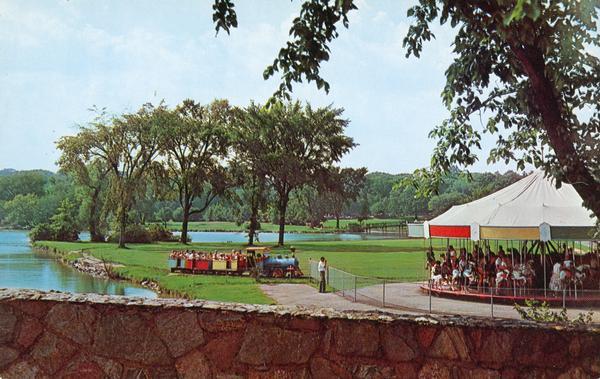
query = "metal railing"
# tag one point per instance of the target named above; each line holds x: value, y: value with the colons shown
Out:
x: 423, y: 297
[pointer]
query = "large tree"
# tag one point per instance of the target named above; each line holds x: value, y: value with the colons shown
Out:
x: 341, y: 187
x: 128, y: 145
x: 526, y: 64
x: 294, y: 143
x: 92, y: 176
x: 194, y: 151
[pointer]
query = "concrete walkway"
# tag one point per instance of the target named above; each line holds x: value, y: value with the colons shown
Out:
x: 306, y: 296
x: 400, y: 298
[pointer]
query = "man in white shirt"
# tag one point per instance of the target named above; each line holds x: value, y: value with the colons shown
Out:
x: 322, y: 269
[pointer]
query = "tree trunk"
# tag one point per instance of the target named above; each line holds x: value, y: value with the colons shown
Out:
x: 122, y: 225
x: 337, y: 221
x: 283, y: 202
x: 93, y: 221
x: 186, y: 219
x: 560, y: 136
x: 253, y: 225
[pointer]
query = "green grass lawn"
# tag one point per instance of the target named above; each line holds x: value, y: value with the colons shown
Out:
x: 390, y: 259
x: 227, y: 226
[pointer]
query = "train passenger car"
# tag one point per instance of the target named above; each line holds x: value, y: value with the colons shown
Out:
x: 235, y: 263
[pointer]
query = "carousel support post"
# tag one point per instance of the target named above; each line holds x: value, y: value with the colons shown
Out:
x: 544, y: 257
x: 492, y: 301
x: 430, y: 296
x: 512, y: 257
x: 564, y: 298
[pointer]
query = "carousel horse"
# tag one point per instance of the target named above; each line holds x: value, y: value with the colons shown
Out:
x: 556, y: 283
x: 455, y: 278
x: 582, y: 272
x: 523, y: 275
x: 470, y: 273
x: 503, y: 278
x: 566, y: 276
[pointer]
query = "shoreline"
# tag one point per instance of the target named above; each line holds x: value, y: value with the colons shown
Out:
x: 94, y: 267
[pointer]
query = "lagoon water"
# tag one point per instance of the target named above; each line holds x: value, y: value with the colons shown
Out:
x: 268, y: 237
x: 20, y: 267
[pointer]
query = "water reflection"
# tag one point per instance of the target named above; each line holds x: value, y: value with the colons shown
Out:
x: 22, y: 268
x: 240, y: 237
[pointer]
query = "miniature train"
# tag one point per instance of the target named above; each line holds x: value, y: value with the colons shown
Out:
x: 253, y: 260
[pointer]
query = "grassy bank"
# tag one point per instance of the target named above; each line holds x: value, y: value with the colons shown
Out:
x: 329, y: 226
x: 392, y: 259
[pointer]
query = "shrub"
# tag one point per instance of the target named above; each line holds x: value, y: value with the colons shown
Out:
x: 160, y: 233
x: 541, y: 312
x: 41, y: 232
x: 134, y: 233
x: 137, y: 233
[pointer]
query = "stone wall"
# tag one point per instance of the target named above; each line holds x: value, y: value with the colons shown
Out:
x: 94, y: 336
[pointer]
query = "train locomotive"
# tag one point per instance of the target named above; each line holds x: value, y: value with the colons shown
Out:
x: 254, y: 260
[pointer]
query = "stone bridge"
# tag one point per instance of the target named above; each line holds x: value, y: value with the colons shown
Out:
x: 93, y: 336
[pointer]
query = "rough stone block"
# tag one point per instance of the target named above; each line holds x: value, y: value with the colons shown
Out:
x: 304, y: 324
x: 425, y: 335
x: 537, y: 349
x: 399, y: 343
x: 22, y: 370
x: 280, y: 373
x: 73, y: 321
x: 222, y: 350
x: 450, y: 344
x: 37, y: 309
x: 322, y: 368
x: 407, y: 370
x: 575, y: 373
x: 29, y: 330
x: 479, y: 373
x: 356, y: 338
x: 180, y: 331
x: 434, y: 370
x: 7, y: 355
x: 264, y: 345
x: 83, y: 368
x: 128, y: 335
x: 214, y: 322
x: 51, y: 352
x: 193, y: 365
x: 8, y: 321
x: 496, y: 348
x: 372, y: 371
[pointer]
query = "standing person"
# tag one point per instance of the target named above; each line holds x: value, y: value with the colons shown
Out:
x: 322, y: 270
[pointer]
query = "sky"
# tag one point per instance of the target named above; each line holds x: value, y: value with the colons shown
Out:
x: 59, y: 58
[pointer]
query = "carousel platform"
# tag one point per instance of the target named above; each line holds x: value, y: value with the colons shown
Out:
x: 585, y: 298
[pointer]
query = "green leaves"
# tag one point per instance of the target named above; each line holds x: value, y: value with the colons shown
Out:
x: 523, y: 8
x: 224, y: 15
x: 311, y: 33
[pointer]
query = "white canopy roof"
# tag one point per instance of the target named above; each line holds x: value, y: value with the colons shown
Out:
x: 527, y: 203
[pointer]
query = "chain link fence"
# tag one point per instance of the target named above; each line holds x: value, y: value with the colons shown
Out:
x: 424, y: 297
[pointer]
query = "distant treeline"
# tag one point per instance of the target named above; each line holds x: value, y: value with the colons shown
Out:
x: 276, y: 163
x: 28, y: 198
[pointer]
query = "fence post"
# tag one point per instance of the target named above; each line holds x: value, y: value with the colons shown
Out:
x: 355, y: 288
x: 492, y: 300
x: 564, y: 298
x: 430, y: 296
x: 383, y: 298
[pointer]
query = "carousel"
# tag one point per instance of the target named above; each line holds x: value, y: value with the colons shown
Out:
x: 529, y: 240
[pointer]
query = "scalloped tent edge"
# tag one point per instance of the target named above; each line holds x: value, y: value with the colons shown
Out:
x: 530, y: 209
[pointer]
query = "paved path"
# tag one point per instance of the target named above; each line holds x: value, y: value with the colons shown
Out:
x: 400, y: 298
x: 306, y: 296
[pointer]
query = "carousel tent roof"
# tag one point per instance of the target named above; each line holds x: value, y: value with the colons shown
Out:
x: 524, y: 205
x: 529, y: 202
